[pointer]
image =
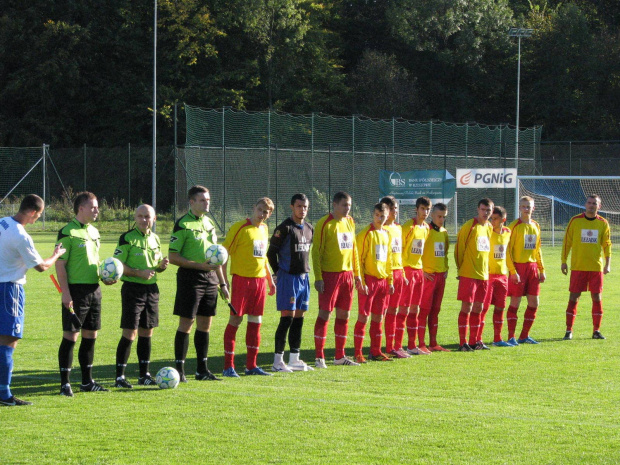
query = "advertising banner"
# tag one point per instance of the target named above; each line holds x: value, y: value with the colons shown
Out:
x: 502, y: 178
x: 407, y: 186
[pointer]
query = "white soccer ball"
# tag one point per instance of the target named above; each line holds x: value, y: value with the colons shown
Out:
x: 111, y: 269
x: 167, y: 378
x: 216, y: 255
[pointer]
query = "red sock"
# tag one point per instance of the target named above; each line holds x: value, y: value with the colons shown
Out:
x: 512, y: 318
x: 474, y: 324
x: 483, y: 315
x: 463, y: 322
x: 341, y: 328
x: 229, y: 346
x: 571, y: 313
x: 412, y: 329
x: 597, y: 314
x: 399, y: 334
x: 375, y: 338
x: 528, y: 321
x: 390, y: 329
x: 422, y: 319
x: 433, y: 323
x: 498, y: 322
x: 358, y: 337
x: 320, y: 335
x: 252, y: 342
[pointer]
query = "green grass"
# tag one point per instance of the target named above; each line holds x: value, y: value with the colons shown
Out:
x: 551, y: 403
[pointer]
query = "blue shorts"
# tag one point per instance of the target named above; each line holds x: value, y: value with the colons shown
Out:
x: 12, y: 299
x: 293, y: 291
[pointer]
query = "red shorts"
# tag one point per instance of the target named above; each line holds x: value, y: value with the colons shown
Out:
x: 582, y: 281
x: 248, y: 295
x: 472, y: 290
x: 399, y: 284
x: 530, y: 282
x: 497, y: 290
x: 337, y: 291
x: 412, y: 293
x: 376, y: 300
x: 432, y: 293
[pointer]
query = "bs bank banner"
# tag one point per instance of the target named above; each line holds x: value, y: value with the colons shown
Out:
x: 407, y: 186
x: 503, y: 178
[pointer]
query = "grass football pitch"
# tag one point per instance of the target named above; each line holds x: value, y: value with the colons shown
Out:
x: 556, y: 402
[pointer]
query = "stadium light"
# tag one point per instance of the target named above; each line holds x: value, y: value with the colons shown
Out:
x: 518, y: 32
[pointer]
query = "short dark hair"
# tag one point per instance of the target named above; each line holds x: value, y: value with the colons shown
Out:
x: 340, y: 195
x: 191, y: 193
x: 499, y: 210
x: 381, y: 207
x: 389, y: 200
x: 440, y: 206
x: 81, y: 199
x: 597, y: 197
x: 32, y: 202
x: 422, y: 201
x: 299, y: 196
x: 486, y: 201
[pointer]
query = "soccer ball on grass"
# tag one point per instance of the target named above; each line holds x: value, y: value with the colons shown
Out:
x: 167, y: 378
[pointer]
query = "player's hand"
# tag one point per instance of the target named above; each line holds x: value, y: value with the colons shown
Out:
x: 208, y: 267
x: 108, y: 282
x: 146, y: 274
x: 391, y: 291
x: 429, y: 276
x: 607, y: 269
x: 67, y: 300
x: 445, y: 275
x: 163, y: 264
x: 272, y: 287
x: 359, y: 285
x: 363, y: 289
x: 59, y: 250
x: 515, y: 278
x: 224, y: 292
x: 564, y: 268
x: 542, y: 277
x: 275, y: 278
x: 319, y: 286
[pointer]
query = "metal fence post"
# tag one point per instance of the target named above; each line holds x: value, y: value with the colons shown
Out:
x: 44, y: 182
x: 129, y: 185
x: 84, y: 166
x: 329, y: 173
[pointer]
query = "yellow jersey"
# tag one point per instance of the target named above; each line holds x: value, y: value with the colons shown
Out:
x: 375, y: 251
x: 473, y: 246
x: 414, y: 237
x: 499, y: 257
x: 396, y: 233
x: 590, y: 242
x: 247, y: 249
x: 435, y: 256
x: 524, y: 245
x: 334, y: 247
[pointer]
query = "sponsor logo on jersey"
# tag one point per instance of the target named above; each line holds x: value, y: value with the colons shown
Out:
x: 589, y: 236
x: 529, y: 242
x: 4, y: 224
x: 499, y: 252
x: 260, y: 248
x: 118, y: 252
x: 397, y: 245
x: 381, y: 252
x: 173, y: 239
x: 417, y: 246
x: 440, y: 249
x: 302, y: 247
x: 345, y: 241
x: 483, y: 244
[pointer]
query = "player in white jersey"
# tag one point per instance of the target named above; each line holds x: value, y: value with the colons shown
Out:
x: 17, y: 255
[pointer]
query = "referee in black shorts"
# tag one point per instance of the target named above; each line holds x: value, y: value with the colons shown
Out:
x: 197, y: 282
x: 140, y: 251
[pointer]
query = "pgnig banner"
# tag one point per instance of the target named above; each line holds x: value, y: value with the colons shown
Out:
x: 407, y: 186
x: 503, y: 178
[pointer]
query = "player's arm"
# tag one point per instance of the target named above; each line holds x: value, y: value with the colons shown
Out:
x: 447, y: 248
x: 59, y: 250
x: 459, y: 249
x: 316, y: 257
x: 539, y: 259
x: 61, y: 273
x: 567, y: 244
x: 276, y: 241
x: 122, y: 253
x: 357, y: 271
x: 606, y: 245
x: 269, y: 278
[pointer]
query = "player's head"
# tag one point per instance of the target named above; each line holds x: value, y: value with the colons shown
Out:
x: 341, y: 204
x: 439, y: 213
x: 498, y: 217
x: 86, y: 207
x: 199, y: 200
x: 593, y: 203
x: 380, y: 214
x: 485, y: 208
x: 526, y: 205
x: 262, y: 209
x: 423, y: 207
x: 31, y: 208
x: 299, y: 207
x: 144, y: 217
x: 392, y: 204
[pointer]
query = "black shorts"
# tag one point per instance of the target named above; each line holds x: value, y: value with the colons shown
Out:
x: 87, y: 306
x: 140, y: 305
x: 196, y: 293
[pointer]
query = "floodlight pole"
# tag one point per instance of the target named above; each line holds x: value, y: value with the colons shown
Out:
x: 518, y: 32
x: 153, y: 180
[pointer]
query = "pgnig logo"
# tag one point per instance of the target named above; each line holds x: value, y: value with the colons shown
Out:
x: 396, y: 180
x: 466, y: 178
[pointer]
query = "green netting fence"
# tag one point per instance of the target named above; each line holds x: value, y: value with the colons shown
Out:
x: 241, y: 156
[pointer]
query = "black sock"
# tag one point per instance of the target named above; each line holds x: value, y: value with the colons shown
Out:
x: 294, y: 335
x: 201, y: 342
x: 144, y: 354
x: 181, y: 343
x: 122, y: 355
x: 285, y: 324
x: 65, y: 360
x: 86, y: 355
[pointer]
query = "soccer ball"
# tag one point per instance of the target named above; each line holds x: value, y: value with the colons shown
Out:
x: 111, y: 269
x: 216, y: 255
x: 167, y: 378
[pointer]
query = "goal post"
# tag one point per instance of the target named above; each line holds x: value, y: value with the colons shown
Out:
x: 558, y: 198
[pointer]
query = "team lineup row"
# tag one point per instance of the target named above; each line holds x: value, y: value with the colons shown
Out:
x: 398, y: 271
